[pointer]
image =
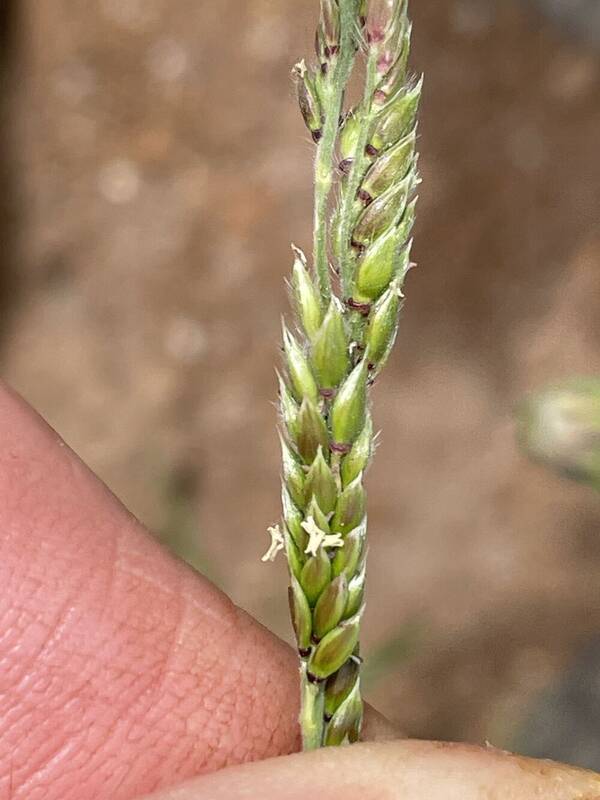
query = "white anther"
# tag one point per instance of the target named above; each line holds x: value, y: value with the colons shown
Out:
x: 301, y: 68
x: 318, y: 538
x: 277, y: 544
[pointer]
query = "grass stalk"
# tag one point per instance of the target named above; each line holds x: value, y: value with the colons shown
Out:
x: 343, y: 339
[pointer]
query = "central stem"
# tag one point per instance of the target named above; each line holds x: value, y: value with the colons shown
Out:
x: 335, y: 86
x: 357, y: 170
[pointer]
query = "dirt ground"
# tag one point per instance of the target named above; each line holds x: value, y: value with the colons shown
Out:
x: 154, y: 172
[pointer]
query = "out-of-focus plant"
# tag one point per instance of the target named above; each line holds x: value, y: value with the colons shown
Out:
x: 560, y: 427
x: 578, y: 17
x: 394, y: 652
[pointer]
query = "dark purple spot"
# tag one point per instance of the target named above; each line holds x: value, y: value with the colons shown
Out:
x: 304, y: 653
x: 362, y: 308
x: 371, y: 151
x: 344, y: 166
x: 317, y: 136
x: 342, y: 449
x: 364, y: 197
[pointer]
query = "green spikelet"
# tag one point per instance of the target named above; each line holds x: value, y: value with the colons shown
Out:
x: 315, y: 576
x: 320, y: 485
x: 331, y: 606
x: 335, y: 649
x: 293, y: 519
x: 397, y: 118
x: 349, y: 412
x: 293, y: 554
x: 301, y: 615
x: 347, y: 557
x: 342, y: 336
x: 391, y: 166
x: 383, y: 326
x: 293, y: 475
x: 383, y: 213
x: 308, y: 99
x: 351, y: 507
x: 306, y: 296
x: 301, y: 376
x: 341, y: 685
x: 349, y: 135
x: 287, y: 407
x: 359, y: 457
x: 345, y: 722
x: 321, y: 521
x: 383, y: 261
x: 330, y: 357
x: 311, y: 432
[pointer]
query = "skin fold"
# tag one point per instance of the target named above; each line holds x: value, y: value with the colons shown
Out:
x: 123, y: 673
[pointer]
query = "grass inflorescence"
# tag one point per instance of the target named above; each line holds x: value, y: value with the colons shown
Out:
x: 347, y: 306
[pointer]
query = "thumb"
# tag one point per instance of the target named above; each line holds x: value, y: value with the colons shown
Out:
x: 121, y: 671
x: 399, y: 770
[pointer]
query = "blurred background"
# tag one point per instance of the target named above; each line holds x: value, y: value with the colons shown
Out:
x: 153, y: 171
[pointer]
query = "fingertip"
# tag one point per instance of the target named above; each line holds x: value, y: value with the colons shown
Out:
x: 400, y: 770
x: 122, y: 669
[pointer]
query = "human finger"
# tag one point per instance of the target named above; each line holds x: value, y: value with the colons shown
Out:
x: 406, y: 770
